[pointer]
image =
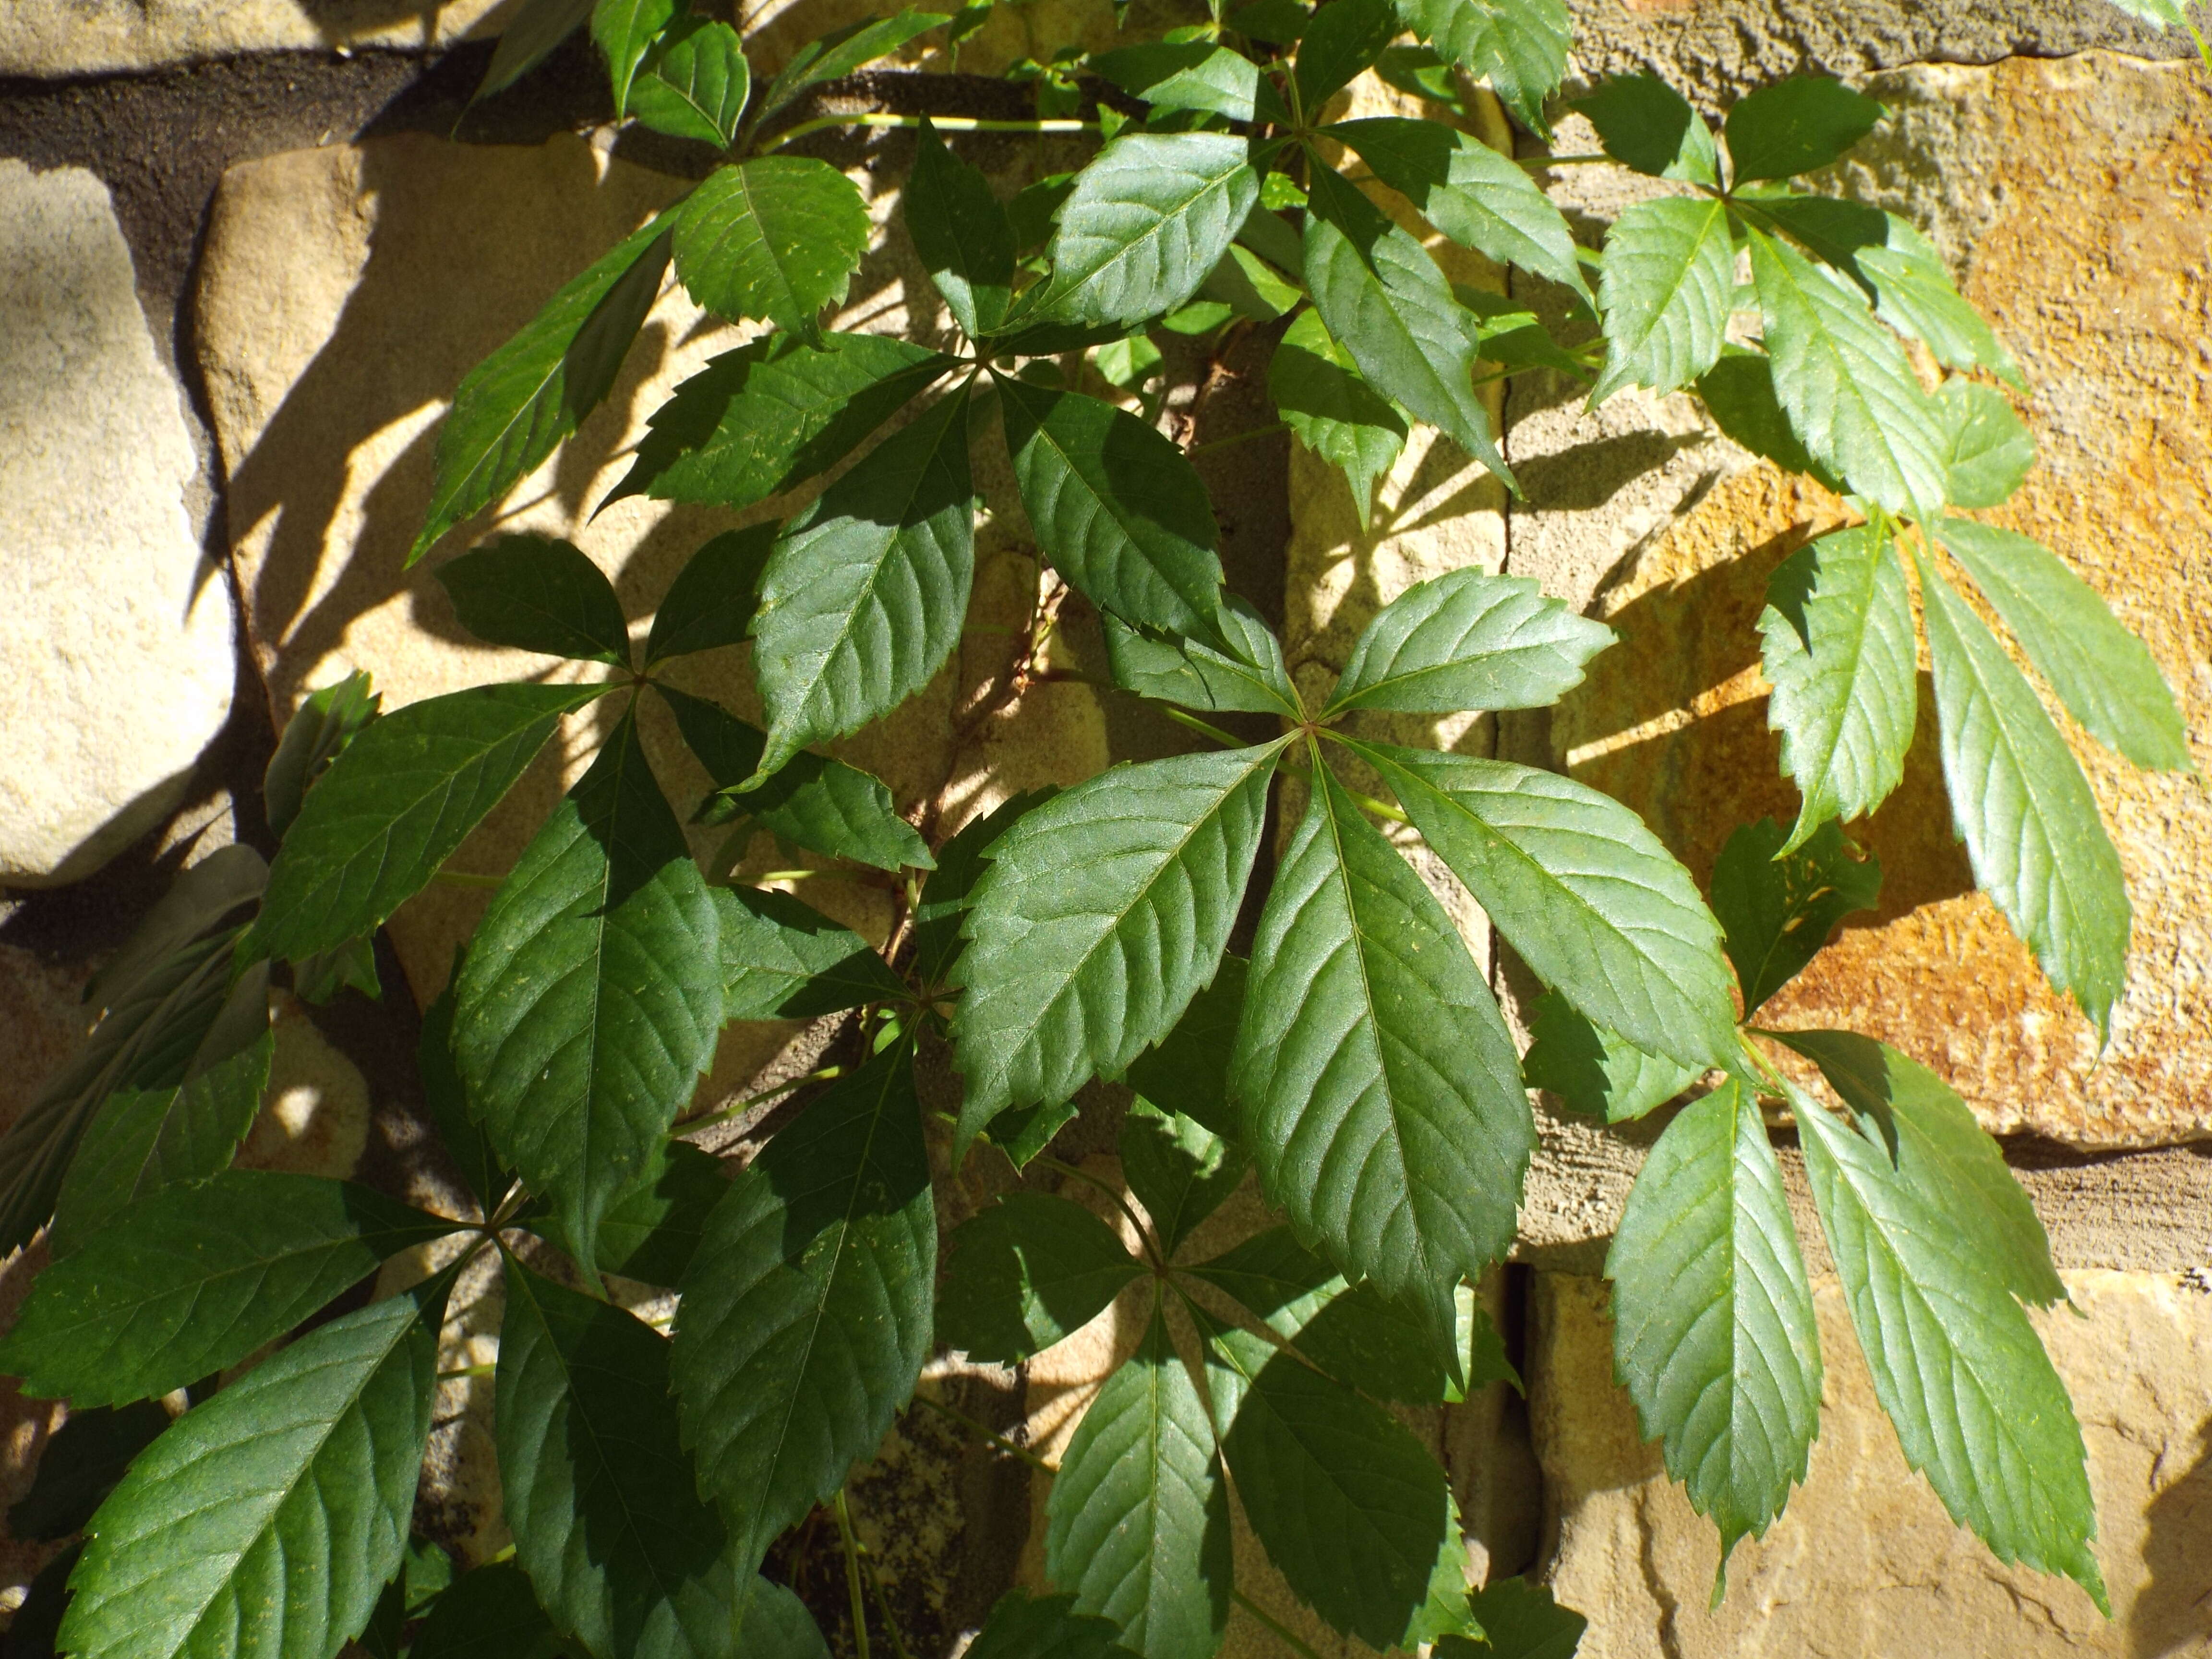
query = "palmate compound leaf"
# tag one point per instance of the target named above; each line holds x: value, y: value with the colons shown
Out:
x: 654, y: 1231
x: 2025, y: 810
x: 1841, y: 651
x: 1103, y: 912
x: 1330, y: 410
x: 783, y: 959
x: 963, y: 234
x: 1587, y: 895
x: 1796, y: 126
x: 1468, y: 639
x: 1378, y: 1089
x: 805, y: 1315
x: 865, y: 595
x: 1027, y: 1272
x: 1714, y: 1335
x: 318, y: 1448
x: 1779, y: 910
x: 592, y: 993
x: 537, y: 595
x: 1668, y: 286
x: 693, y: 83
x: 1978, y: 1406
x: 1137, y: 1522
x: 196, y: 1278
x: 397, y: 804
x: 624, y: 31
x: 1173, y: 669
x: 1519, y: 46
x: 1915, y: 294
x: 776, y: 237
x: 1595, y: 1072
x: 1145, y: 224
x: 1386, y: 303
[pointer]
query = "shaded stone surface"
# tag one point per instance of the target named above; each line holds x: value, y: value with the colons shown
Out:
x: 89, y: 37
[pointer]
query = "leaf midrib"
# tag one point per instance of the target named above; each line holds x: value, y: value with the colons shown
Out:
x: 1126, y: 251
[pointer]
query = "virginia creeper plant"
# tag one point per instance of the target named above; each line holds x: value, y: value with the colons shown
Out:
x: 1356, y: 1065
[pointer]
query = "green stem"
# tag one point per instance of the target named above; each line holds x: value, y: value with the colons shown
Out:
x: 882, y: 1604
x: 1283, y: 1632
x: 853, y: 1575
x: 990, y: 1435
x: 942, y: 123
x: 1538, y: 163
x: 465, y: 1371
x: 1202, y: 727
x: 1268, y: 430
x: 1144, y: 1234
x: 686, y: 1126
x: 2204, y: 46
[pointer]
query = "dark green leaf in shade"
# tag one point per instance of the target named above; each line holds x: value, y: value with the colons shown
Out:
x: 1137, y: 1521
x: 1343, y: 39
x: 1839, y: 649
x: 1036, y: 208
x: 806, y: 1316
x: 1146, y: 224
x: 1379, y: 1091
x: 693, y: 83
x: 1796, y: 126
x: 1940, y: 1150
x: 773, y: 414
x: 537, y: 595
x: 1508, y: 333
x: 1714, y: 1334
x: 1180, y: 1171
x: 1385, y: 301
x: 1990, y: 451
x: 491, y: 1612
x: 1026, y: 1131
x: 1978, y: 1407
x: 1646, y: 124
x: 1187, y: 1071
x: 80, y: 1465
x: 964, y: 238
x: 1519, y: 1620
x: 2025, y: 812
x: 198, y: 1277
x: 950, y: 888
x: 624, y: 31
x: 1519, y: 46
x: 1916, y: 295
x: 1103, y: 913
x: 1167, y: 668
x: 511, y: 408
x: 319, y: 1447
x: 592, y: 995
x: 351, y: 966
x: 865, y: 594
x: 653, y: 1230
x: 1468, y: 639
x: 1187, y: 74
x: 1833, y: 230
x: 1778, y: 910
x: 1588, y: 895
x: 397, y: 804
x: 1668, y: 286
x: 324, y: 722
x: 1420, y: 73
x: 783, y: 959
x: 2101, y: 672
x: 1025, y: 1626
x: 535, y: 28
x: 833, y: 56
x: 1330, y: 410
x: 1248, y: 284
x: 445, y: 1098
x: 774, y: 237
x: 711, y: 602
x: 1595, y: 1072
x: 1739, y: 394
x: 1278, y: 22
x: 1026, y: 1273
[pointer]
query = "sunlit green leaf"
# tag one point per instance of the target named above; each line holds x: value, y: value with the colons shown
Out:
x: 1334, y: 412
x: 1593, y: 1071
x: 1171, y: 669
x: 774, y: 237
x: 1989, y: 452
x: 693, y: 82
x: 1468, y: 639
x: 1668, y: 286
x: 964, y: 238
x: 1146, y: 224
x: 783, y: 959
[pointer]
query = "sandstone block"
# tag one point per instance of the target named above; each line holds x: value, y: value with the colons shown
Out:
x: 92, y: 37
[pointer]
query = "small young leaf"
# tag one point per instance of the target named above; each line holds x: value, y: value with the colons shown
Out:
x: 1174, y: 670
x: 806, y: 1316
x: 532, y: 32
x: 1990, y: 451
x: 1187, y: 1071
x: 1519, y: 1620
x: 537, y: 595
x: 1508, y: 333
x: 624, y: 31
x: 774, y: 237
x: 445, y: 1098
x: 1331, y: 411
x: 491, y: 1612
x: 1779, y: 910
x: 1137, y: 1522
x: 1343, y: 39
x: 1180, y: 1171
x: 865, y: 595
x: 1915, y: 296
x: 1146, y: 224
x: 592, y: 993
x: 1668, y: 286
x: 653, y: 1233
x: 833, y: 56
x: 1519, y: 46
x: 2025, y: 812
x: 397, y: 804
x: 694, y: 84
x: 950, y: 889
x: 1595, y: 1072
x: 1102, y: 913
x: 1026, y: 1273
x: 1839, y: 649
x: 781, y: 959
x: 1025, y: 1626
x: 712, y: 601
x: 1646, y: 124
x: 964, y: 238
x: 1190, y: 75
x: 1713, y: 1328
x: 1468, y: 639
x: 80, y: 1466
x: 318, y: 731
x: 2101, y: 672
x: 1796, y: 126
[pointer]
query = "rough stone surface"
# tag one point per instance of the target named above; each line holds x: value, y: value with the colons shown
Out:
x: 1864, y: 1560
x: 92, y: 37
x: 116, y: 633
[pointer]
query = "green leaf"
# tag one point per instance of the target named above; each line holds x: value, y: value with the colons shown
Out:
x: 806, y: 1316
x: 1343, y: 39
x: 80, y: 1466
x: 1595, y: 1072
x: 1386, y: 302
x: 195, y: 1277
x: 1146, y: 224
x: 2101, y: 671
x: 534, y: 29
x: 950, y: 890
x: 1116, y: 508
x: 1478, y: 197
x: 2025, y: 810
x: 1248, y: 284
x: 1668, y: 286
x: 865, y: 596
x: 1104, y: 911
x: 1187, y: 1071
x: 781, y: 959
x: 1779, y: 908
x: 774, y: 237
x: 1519, y: 46
x: 1739, y: 394
x: 1180, y: 1171
x: 1797, y: 126
x: 1917, y: 296
x: 2159, y: 14
x: 1588, y: 895
x: 324, y: 722
x: 491, y: 1612
x: 1942, y: 1152
x: 964, y: 238
x: 1990, y: 450
x: 1468, y: 639
x: 1188, y: 74
x: 1714, y: 1334
x: 1137, y: 1521
x: 1646, y: 124
x: 833, y: 56
x: 350, y: 966
x: 1851, y: 396
x: 1840, y: 650
x: 1519, y: 1620
x: 511, y: 408
x: 445, y: 1098
x: 1977, y: 1406
x: 537, y: 595
x: 712, y: 601
x: 625, y: 31
x: 1331, y: 410
x: 1025, y: 1626
x: 653, y: 1232
x: 592, y: 993
x: 1380, y: 1092
x: 1172, y: 669
x: 773, y: 414
x: 1027, y: 1272
x: 1508, y: 333
x: 813, y: 802
x: 319, y: 1448
x: 695, y: 82
x: 397, y: 804
x: 607, y: 1519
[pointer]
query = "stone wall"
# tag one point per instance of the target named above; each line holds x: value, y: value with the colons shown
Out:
x: 246, y: 249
